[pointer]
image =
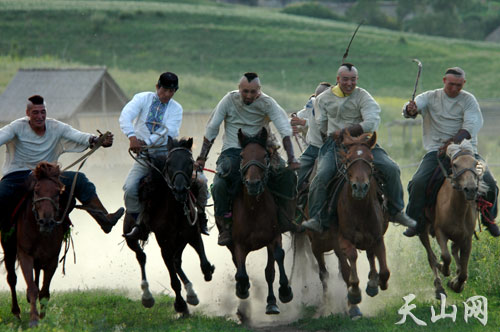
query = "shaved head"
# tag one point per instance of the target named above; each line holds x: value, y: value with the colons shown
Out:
x: 249, y: 88
x: 347, y: 67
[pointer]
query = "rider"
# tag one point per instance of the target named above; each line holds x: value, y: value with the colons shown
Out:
x: 36, y: 138
x: 449, y: 114
x: 248, y: 109
x: 147, y: 120
x: 306, y: 120
x: 346, y: 107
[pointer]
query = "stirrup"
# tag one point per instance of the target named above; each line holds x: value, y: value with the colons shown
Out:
x: 224, y: 238
x: 134, y: 234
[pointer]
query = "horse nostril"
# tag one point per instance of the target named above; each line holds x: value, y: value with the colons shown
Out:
x: 355, y: 186
x: 365, y: 187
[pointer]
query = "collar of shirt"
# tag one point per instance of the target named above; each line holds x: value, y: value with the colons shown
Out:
x: 336, y: 90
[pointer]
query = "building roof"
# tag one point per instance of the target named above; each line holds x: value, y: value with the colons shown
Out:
x: 66, y: 92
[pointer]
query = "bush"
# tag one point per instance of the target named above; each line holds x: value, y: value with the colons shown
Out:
x: 310, y: 9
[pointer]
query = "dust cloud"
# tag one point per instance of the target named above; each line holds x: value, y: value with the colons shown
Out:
x: 104, y: 260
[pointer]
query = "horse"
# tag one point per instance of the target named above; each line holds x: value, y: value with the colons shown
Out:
x: 454, y: 216
x: 37, y: 238
x: 255, y: 223
x: 169, y: 213
x: 362, y: 223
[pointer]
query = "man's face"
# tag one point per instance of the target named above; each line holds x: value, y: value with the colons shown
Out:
x: 347, y: 81
x: 249, y: 91
x: 452, y: 85
x: 164, y: 94
x: 37, y: 115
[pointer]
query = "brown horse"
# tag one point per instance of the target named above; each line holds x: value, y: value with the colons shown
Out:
x: 255, y: 223
x: 37, y: 239
x: 454, y: 216
x: 168, y: 213
x: 361, y: 224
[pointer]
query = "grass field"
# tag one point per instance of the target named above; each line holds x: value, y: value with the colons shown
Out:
x: 210, y: 45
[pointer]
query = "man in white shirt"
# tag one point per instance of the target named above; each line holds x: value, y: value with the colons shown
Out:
x: 148, y: 120
x: 248, y: 109
x: 449, y: 114
x: 35, y: 138
x: 346, y: 107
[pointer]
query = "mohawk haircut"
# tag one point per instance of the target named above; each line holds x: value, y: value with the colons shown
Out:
x: 36, y: 100
x: 250, y: 76
x: 348, y: 65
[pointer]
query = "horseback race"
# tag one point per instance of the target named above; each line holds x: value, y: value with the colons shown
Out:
x: 264, y: 157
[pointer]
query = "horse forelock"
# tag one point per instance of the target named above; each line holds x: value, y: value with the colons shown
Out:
x: 184, y: 142
x: 453, y: 148
x: 253, y: 139
x: 46, y: 170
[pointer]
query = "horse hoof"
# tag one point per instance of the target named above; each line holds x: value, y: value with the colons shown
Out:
x: 353, y: 298
x: 181, y: 308
x: 371, y: 291
x: 192, y: 299
x: 208, y: 275
x: 33, y: 323
x: 285, y: 294
x: 42, y: 315
x: 355, y: 313
x: 272, y: 309
x: 242, y: 295
x: 438, y: 294
x: 456, y: 286
x: 148, y: 302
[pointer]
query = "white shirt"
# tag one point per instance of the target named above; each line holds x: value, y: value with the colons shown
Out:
x: 25, y: 149
x: 443, y: 117
x: 250, y: 118
x: 335, y: 113
x: 134, y: 116
x: 313, y: 136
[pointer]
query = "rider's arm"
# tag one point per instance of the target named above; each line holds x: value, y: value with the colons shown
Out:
x: 473, y: 119
x: 130, y: 112
x: 370, y: 112
x: 8, y: 132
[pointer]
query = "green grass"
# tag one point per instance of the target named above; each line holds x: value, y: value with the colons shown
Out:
x: 210, y: 46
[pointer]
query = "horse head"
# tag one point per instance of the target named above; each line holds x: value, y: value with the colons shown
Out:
x: 47, y: 189
x: 178, y: 169
x: 254, y: 165
x: 358, y: 160
x: 466, y: 171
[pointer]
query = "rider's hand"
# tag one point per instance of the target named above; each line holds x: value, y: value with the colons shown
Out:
x: 296, y: 121
x: 411, y: 108
x: 199, y: 164
x: 107, y: 141
x: 444, y: 147
x: 136, y: 145
x: 293, y: 164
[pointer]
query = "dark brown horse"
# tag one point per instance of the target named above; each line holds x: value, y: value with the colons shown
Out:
x: 169, y: 214
x: 454, y: 216
x: 37, y: 239
x: 361, y: 224
x: 255, y: 223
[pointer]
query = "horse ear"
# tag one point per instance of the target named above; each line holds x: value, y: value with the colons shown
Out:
x: 241, y: 137
x: 170, y: 142
x: 373, y: 140
x: 189, y: 143
x: 263, y: 135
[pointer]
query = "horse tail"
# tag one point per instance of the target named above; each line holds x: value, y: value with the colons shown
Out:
x: 294, y: 254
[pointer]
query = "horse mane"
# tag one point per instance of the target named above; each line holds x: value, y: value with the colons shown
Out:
x: 363, y: 139
x: 183, y: 142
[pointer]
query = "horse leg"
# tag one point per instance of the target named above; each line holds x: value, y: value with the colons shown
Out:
x: 44, y: 296
x: 242, y: 281
x: 180, y: 305
x: 147, y: 298
x: 384, y: 273
x: 285, y: 291
x: 445, y: 254
x: 457, y: 284
x: 455, y: 253
x: 431, y: 257
x: 191, y: 296
x: 323, y: 272
x: 10, y: 253
x: 207, y: 268
x: 26, y: 263
x: 271, y: 307
x: 353, y: 292
x: 373, y: 278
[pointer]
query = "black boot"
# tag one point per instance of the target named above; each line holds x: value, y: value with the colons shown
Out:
x: 492, y: 228
x: 224, y: 226
x: 106, y: 220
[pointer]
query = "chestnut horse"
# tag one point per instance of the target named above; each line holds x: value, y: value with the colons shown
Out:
x: 37, y: 239
x: 255, y: 223
x: 454, y: 216
x: 168, y: 213
x: 361, y: 224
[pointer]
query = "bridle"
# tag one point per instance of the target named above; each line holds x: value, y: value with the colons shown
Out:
x: 170, y: 179
x: 46, y: 198
x: 456, y: 174
x: 265, y: 166
x: 348, y: 164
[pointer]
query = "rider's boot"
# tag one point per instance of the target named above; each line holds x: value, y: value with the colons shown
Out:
x: 286, y: 222
x: 313, y: 224
x: 491, y: 227
x: 403, y: 219
x: 224, y: 226
x: 106, y: 220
